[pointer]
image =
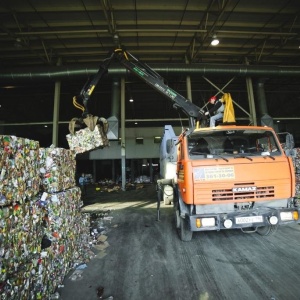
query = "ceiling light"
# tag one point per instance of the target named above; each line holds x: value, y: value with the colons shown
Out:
x: 215, y: 41
x: 9, y: 87
x: 130, y: 100
x: 18, y: 43
x: 116, y: 38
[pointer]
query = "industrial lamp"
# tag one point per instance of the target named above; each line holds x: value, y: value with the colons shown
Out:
x: 214, y: 41
x: 18, y: 43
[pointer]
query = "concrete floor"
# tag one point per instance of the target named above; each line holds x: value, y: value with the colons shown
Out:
x: 145, y: 259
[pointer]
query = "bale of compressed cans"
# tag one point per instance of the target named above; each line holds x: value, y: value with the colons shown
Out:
x: 43, y: 233
x: 57, y: 169
x: 85, y: 140
x: 19, y: 172
x: 296, y: 161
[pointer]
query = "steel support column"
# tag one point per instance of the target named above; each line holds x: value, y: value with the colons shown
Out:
x: 113, y: 170
x: 123, y: 148
x: 94, y: 171
x: 261, y: 97
x: 151, y: 170
x: 115, y: 97
x: 188, y: 85
x: 56, y: 109
x: 251, y: 101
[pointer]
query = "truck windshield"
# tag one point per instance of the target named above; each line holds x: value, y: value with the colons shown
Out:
x: 240, y: 142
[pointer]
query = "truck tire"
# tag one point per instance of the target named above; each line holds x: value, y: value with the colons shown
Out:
x: 184, y: 231
x: 266, y: 230
x: 177, y: 218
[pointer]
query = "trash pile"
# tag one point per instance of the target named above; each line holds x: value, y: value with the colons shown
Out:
x: 43, y: 233
x: 98, y: 243
x: 116, y: 187
x: 110, y: 182
x: 142, y: 179
x: 98, y: 231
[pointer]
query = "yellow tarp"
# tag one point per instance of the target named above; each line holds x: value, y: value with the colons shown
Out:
x: 228, y: 116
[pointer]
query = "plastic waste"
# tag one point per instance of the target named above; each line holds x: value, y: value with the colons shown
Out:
x: 77, y: 275
x: 81, y: 267
x: 55, y: 296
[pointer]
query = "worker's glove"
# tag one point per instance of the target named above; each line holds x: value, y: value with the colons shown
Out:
x: 206, y: 113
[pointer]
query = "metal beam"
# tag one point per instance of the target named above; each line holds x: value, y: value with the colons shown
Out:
x: 136, y: 30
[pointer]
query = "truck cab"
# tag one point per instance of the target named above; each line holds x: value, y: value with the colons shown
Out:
x: 231, y: 177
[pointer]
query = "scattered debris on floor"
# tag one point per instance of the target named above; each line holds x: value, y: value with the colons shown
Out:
x: 117, y: 187
x: 97, y: 242
x: 100, y: 291
x: 76, y: 275
x: 108, y: 185
x: 110, y: 182
x: 98, y: 231
x: 143, y: 179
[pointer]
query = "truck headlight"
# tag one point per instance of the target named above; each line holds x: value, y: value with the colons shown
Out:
x: 273, y: 220
x: 227, y: 223
x: 208, y: 222
x: 289, y: 215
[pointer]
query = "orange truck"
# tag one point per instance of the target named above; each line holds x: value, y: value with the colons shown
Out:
x: 233, y: 177
x: 223, y: 177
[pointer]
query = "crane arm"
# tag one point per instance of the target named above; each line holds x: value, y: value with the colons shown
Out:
x: 149, y: 76
x: 145, y: 73
x: 89, y: 86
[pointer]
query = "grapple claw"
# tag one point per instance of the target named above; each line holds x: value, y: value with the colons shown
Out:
x: 104, y: 124
x: 91, y: 122
x: 74, y: 123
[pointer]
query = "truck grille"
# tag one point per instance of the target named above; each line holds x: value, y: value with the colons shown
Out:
x: 266, y: 192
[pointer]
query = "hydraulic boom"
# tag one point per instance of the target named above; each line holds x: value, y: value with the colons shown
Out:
x: 144, y: 72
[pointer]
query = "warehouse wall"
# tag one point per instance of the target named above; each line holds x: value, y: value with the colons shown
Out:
x: 148, y: 149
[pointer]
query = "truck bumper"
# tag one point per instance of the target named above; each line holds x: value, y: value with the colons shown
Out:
x: 244, y: 219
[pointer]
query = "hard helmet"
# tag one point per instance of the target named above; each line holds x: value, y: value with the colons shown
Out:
x: 212, y: 98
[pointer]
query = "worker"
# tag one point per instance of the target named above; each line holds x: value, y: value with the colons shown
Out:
x: 83, y: 183
x: 216, y: 112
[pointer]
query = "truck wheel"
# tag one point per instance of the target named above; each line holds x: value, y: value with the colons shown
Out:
x: 177, y: 219
x: 184, y: 231
x: 266, y: 230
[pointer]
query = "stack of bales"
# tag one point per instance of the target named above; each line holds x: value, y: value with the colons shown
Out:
x: 42, y: 230
x: 296, y: 161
